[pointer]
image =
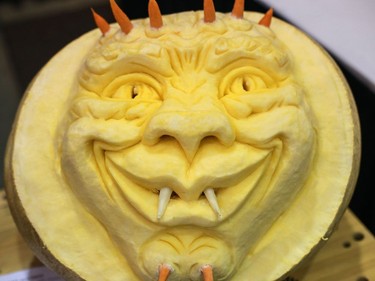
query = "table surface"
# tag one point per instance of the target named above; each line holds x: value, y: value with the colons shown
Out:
x: 349, y: 254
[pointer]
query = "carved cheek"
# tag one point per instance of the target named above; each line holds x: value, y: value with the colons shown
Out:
x: 278, y: 120
x: 266, y: 114
x: 102, y: 125
x: 86, y: 141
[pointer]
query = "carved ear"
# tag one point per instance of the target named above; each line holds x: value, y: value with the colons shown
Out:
x: 238, y: 9
x: 267, y: 18
x: 154, y: 14
x: 101, y: 23
x: 121, y: 18
x: 209, y: 11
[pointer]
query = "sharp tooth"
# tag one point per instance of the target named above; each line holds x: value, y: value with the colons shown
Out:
x: 164, y: 196
x: 211, y: 197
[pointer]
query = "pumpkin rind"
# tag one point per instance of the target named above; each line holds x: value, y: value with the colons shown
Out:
x: 26, y: 190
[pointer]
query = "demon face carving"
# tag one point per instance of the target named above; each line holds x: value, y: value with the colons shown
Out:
x: 188, y: 141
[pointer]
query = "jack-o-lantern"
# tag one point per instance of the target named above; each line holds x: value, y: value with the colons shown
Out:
x: 187, y: 146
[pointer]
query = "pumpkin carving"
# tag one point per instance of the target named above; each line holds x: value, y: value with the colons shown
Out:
x: 190, y: 146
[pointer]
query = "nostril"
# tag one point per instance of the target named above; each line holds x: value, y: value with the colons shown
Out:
x: 189, y: 129
x: 210, y: 139
x: 166, y: 138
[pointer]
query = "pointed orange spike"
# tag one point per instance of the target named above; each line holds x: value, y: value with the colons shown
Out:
x: 207, y: 273
x: 154, y: 14
x: 121, y: 18
x: 164, y: 271
x: 101, y: 23
x: 238, y: 9
x: 209, y: 11
x: 266, y: 20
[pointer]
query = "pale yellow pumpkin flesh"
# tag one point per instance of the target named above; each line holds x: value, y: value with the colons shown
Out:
x: 227, y: 144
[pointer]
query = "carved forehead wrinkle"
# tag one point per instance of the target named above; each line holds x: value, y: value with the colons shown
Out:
x: 269, y: 53
x: 185, y: 31
x: 181, y: 29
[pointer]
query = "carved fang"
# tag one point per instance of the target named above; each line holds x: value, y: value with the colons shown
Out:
x: 238, y: 9
x: 209, y: 11
x: 164, y: 197
x: 121, y: 18
x: 267, y: 18
x: 101, y: 23
x: 156, y: 20
x: 212, y: 200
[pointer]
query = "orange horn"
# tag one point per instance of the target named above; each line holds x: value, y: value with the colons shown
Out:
x: 121, y: 18
x: 266, y: 20
x: 164, y: 271
x: 238, y: 9
x: 156, y: 19
x: 207, y: 273
x: 101, y: 23
x: 209, y: 11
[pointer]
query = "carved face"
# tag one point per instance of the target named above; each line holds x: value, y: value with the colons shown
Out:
x: 187, y: 142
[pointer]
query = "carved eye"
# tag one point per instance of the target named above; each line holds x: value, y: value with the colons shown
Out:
x: 136, y: 91
x: 246, y: 84
x: 134, y: 86
x: 246, y: 80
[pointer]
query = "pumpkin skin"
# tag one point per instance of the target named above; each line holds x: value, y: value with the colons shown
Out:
x: 262, y: 116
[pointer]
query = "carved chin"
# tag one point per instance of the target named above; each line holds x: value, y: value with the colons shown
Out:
x: 187, y: 250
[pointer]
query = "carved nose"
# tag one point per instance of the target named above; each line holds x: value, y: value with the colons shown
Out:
x: 189, y: 128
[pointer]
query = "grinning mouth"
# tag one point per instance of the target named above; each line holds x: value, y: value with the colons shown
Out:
x: 165, y: 188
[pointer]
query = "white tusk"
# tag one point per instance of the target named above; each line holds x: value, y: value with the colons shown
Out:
x: 164, y: 196
x: 211, y: 197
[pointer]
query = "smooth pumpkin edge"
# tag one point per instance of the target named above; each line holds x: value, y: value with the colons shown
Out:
x: 24, y: 226
x: 356, y: 157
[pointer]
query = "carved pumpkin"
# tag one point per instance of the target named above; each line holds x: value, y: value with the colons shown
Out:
x: 191, y: 144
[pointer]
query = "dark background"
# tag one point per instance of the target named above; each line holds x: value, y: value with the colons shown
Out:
x: 29, y: 40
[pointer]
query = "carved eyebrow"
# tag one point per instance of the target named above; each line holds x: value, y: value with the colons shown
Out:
x: 249, y: 47
x: 153, y: 65
x: 276, y: 66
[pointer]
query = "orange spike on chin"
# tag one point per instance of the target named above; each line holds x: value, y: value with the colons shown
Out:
x: 266, y: 20
x: 209, y: 11
x: 121, y: 18
x: 207, y: 273
x: 238, y: 9
x: 101, y: 23
x: 154, y: 14
x: 164, y: 271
